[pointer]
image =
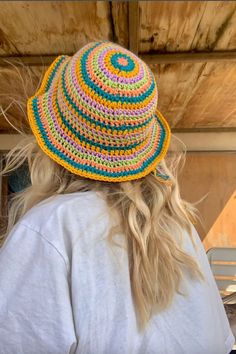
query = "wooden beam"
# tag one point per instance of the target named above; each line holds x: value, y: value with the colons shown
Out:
x: 200, y: 141
x: 203, y: 130
x: 31, y: 60
x: 209, y: 141
x: 134, y: 26
x: 38, y: 60
x: 155, y: 58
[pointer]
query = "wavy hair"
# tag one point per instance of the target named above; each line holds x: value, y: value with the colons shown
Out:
x: 151, y: 215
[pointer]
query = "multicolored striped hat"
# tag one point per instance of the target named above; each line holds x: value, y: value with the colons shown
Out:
x: 95, y: 114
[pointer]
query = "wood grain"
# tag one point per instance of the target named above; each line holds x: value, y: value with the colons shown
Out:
x: 120, y: 21
x: 174, y: 26
x: 134, y: 26
x: 52, y: 27
x: 197, y: 95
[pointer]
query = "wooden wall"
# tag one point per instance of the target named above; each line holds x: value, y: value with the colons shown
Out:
x: 213, y: 175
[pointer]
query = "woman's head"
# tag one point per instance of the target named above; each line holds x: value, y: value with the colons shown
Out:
x: 96, y: 114
x: 96, y: 127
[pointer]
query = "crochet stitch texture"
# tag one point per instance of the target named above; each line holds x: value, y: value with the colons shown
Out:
x: 95, y: 113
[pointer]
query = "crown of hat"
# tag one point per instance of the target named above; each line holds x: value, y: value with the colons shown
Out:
x: 96, y: 114
x: 106, y: 95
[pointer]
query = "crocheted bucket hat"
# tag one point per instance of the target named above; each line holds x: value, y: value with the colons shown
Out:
x: 95, y: 114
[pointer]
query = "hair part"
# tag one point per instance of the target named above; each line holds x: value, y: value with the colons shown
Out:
x: 150, y: 214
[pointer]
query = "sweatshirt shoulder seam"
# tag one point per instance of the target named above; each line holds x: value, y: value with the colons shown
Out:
x: 47, y: 241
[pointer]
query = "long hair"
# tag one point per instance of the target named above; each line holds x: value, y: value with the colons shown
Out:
x: 151, y: 216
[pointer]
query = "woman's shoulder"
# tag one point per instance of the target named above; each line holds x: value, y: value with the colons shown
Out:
x: 64, y: 219
x: 64, y: 206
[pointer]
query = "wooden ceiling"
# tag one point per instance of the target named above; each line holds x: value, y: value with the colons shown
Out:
x: 190, y: 46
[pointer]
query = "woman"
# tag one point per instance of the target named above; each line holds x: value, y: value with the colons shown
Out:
x: 101, y: 256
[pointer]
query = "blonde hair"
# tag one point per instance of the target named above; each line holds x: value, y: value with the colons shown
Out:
x: 152, y: 217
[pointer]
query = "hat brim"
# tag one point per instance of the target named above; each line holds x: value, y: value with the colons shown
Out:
x: 68, y: 151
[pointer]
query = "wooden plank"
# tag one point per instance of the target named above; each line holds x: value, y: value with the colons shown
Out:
x: 197, y: 95
x: 30, y: 60
x: 134, y: 26
x: 52, y: 27
x: 212, y: 101
x: 204, y: 130
x: 189, y: 57
x: 150, y: 59
x: 212, y: 141
x: 171, y: 26
x: 63, y: 27
x: 225, y: 263
x: 120, y: 22
x: 231, y: 278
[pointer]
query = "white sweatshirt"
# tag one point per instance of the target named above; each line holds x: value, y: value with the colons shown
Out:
x: 62, y: 290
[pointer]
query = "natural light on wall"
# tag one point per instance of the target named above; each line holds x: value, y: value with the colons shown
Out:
x: 223, y: 231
